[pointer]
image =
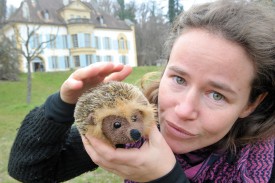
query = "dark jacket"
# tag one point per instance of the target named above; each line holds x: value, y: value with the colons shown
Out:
x: 48, y: 147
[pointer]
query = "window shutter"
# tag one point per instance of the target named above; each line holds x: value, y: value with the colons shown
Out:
x: 40, y: 39
x: 127, y: 59
x: 81, y: 40
x: 31, y: 42
x: 71, y: 61
x: 58, y: 41
x: 99, y: 43
x: 94, y: 58
x: 128, y: 45
x: 120, y: 59
x: 104, y: 42
x: 61, y: 63
x: 93, y: 41
x: 47, y: 40
x: 69, y: 40
x: 50, y: 63
x: 82, y: 60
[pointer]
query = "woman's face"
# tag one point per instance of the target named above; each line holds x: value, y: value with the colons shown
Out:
x: 204, y: 90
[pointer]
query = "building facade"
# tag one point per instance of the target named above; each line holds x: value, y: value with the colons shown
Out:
x: 71, y: 34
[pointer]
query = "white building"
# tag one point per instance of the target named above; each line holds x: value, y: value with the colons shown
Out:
x: 74, y: 34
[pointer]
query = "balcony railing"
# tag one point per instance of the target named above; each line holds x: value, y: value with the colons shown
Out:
x: 78, y: 20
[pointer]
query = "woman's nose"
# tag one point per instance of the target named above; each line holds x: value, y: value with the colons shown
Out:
x: 187, y: 107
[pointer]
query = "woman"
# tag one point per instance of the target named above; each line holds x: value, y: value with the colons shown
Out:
x: 215, y: 99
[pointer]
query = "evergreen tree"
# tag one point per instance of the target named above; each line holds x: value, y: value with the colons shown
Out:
x: 3, y: 10
x: 121, y: 13
x: 8, y: 62
x: 171, y: 10
x: 174, y: 9
x: 9, y: 67
x: 126, y: 11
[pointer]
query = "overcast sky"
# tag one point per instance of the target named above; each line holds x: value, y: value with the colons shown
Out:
x: 185, y: 3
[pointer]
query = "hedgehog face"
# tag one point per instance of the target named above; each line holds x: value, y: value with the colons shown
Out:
x: 122, y: 130
x: 115, y: 112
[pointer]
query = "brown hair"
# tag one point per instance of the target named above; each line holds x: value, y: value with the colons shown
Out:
x: 251, y: 25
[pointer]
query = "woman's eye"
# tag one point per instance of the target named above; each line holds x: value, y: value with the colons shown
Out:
x: 217, y: 96
x: 179, y: 80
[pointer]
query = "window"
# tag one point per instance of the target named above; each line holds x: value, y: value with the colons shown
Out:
x: 65, y: 41
x: 26, y: 11
x: 45, y: 14
x: 109, y: 58
x: 89, y: 59
x: 122, y: 44
x: 96, y: 42
x: 107, y: 43
x: 67, y: 62
x: 76, y: 61
x: 52, y: 41
x: 87, y: 40
x: 98, y: 58
x: 36, y: 41
x: 75, y: 40
x: 123, y: 59
x: 54, y: 62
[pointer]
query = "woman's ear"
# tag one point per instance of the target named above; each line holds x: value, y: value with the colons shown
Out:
x: 252, y: 106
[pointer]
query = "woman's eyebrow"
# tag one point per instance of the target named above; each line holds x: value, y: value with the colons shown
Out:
x: 223, y: 87
x: 177, y: 70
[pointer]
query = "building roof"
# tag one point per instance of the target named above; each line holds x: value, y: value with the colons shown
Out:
x: 34, y: 11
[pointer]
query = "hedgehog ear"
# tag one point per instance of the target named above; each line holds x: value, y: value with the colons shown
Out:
x: 142, y: 100
x: 90, y: 119
x: 139, y: 113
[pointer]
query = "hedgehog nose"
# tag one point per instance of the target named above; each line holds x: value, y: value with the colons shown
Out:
x: 135, y: 134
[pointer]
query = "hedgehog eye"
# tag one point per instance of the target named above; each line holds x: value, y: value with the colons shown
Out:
x: 134, y: 118
x: 117, y: 125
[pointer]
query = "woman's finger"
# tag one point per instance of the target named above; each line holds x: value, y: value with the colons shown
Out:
x: 119, y: 76
x: 88, y: 77
x: 91, y: 150
x: 111, y: 154
x: 98, y: 69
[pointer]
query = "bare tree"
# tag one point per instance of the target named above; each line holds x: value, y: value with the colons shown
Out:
x: 107, y: 6
x: 150, y: 23
x: 30, y: 53
x: 119, y: 9
x: 150, y: 34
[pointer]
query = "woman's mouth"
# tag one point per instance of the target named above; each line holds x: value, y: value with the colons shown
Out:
x: 178, y: 132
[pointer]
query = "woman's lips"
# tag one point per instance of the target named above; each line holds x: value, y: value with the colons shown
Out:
x: 178, y: 132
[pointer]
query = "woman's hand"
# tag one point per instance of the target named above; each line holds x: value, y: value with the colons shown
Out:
x: 90, y: 76
x: 153, y: 160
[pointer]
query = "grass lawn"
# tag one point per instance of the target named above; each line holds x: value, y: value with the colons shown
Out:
x: 13, y: 108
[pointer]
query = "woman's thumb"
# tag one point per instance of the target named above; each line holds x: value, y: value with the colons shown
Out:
x: 155, y: 136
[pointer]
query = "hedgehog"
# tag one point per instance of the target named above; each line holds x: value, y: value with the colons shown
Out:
x: 116, y: 112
